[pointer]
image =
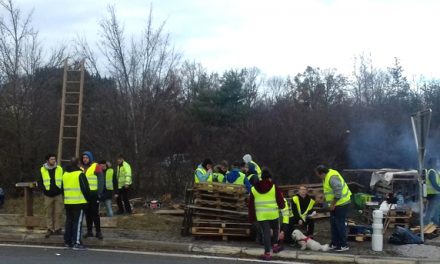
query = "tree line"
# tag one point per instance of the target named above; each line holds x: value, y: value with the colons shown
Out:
x: 166, y: 114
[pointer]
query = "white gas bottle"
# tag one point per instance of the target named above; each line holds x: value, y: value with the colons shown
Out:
x: 377, y: 238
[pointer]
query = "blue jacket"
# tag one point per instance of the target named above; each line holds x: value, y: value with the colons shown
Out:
x: 233, y: 175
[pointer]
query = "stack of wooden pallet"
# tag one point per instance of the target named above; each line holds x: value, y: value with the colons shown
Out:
x: 217, y: 209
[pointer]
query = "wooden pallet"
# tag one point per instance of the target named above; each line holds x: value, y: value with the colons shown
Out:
x: 220, y: 188
x: 237, y: 206
x: 224, y: 232
x: 219, y: 223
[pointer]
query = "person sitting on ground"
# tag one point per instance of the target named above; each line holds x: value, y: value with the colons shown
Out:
x: 302, y: 210
x: 388, y: 204
x: 265, y: 201
x: 203, y: 173
x: 235, y: 176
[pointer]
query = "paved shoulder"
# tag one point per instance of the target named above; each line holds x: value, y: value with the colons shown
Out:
x: 19, y: 254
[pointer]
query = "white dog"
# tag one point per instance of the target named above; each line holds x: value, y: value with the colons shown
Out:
x: 307, y: 242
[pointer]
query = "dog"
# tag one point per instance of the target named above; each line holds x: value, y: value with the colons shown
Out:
x: 307, y: 242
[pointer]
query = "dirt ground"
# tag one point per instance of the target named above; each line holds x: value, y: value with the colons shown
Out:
x: 149, y: 226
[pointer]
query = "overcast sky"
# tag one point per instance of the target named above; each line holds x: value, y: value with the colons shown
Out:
x: 279, y: 37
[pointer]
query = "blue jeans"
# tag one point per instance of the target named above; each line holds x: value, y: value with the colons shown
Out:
x: 337, y: 223
x: 108, y: 207
x: 432, y: 213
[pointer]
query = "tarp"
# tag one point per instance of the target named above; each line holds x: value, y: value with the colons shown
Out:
x: 387, y: 175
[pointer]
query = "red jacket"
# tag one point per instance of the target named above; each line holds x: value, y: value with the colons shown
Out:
x: 264, y: 186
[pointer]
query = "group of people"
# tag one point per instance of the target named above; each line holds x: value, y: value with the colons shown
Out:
x: 274, y: 216
x: 79, y: 188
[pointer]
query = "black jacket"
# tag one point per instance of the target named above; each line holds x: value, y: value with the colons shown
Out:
x: 53, y: 189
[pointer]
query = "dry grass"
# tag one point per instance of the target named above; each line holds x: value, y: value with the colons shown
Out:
x: 16, y: 206
x: 147, y: 220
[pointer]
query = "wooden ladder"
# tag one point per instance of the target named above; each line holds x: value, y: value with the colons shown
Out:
x: 71, y: 111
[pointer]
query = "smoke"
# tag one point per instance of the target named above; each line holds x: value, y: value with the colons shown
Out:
x: 380, y: 145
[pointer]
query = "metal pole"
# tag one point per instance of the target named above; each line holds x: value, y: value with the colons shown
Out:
x: 421, y: 164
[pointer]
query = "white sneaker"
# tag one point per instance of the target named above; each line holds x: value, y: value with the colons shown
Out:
x: 341, y: 249
x: 332, y: 247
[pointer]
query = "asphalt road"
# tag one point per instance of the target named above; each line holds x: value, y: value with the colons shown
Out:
x: 18, y: 254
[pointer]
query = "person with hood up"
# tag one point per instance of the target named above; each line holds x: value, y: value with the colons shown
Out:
x: 235, y: 176
x: 252, y: 174
x: 248, y: 160
x: 265, y: 201
x: 49, y: 181
x: 95, y: 177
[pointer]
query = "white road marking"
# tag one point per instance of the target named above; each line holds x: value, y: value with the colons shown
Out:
x: 156, y: 254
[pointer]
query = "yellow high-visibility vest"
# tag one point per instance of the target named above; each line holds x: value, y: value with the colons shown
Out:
x: 257, y: 169
x: 124, y: 175
x: 429, y: 188
x: 218, y: 176
x: 240, y: 179
x: 109, y: 179
x: 286, y: 213
x: 266, y: 207
x: 203, y: 171
x: 303, y: 216
x: 72, y: 189
x: 46, y: 177
x: 328, y: 191
x: 91, y: 177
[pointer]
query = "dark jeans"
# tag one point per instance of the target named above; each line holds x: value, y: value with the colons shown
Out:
x: 269, y: 240
x: 74, y: 218
x: 337, y: 223
x: 123, y: 201
x: 308, y: 225
x: 92, y: 216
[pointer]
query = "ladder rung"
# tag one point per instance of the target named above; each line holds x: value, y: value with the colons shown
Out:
x: 73, y: 70
x: 73, y: 81
x: 71, y: 104
x: 65, y: 160
x: 71, y: 126
x: 72, y: 92
x: 70, y: 114
x: 69, y: 137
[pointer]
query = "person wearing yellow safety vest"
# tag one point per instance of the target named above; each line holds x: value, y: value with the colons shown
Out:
x: 252, y: 174
x: 338, y: 197
x: 110, y: 182
x: 285, y: 214
x: 203, y: 173
x: 49, y: 182
x: 217, y: 175
x: 248, y: 160
x: 95, y: 178
x: 125, y: 181
x: 76, y: 196
x: 432, y: 177
x: 236, y: 176
x: 302, y: 210
x: 265, y: 201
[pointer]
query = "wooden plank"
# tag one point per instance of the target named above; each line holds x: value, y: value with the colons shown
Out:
x: 34, y: 221
x: 11, y: 220
x: 215, y: 231
x: 217, y: 210
x: 169, y: 212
